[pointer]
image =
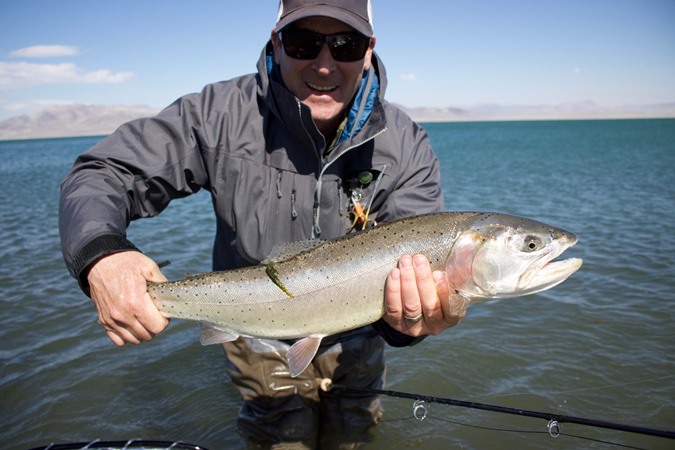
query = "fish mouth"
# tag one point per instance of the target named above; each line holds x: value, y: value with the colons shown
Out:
x: 546, y: 273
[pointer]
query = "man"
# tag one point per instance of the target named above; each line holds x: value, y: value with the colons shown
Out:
x: 305, y: 148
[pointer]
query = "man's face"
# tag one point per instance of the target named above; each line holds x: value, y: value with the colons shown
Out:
x: 325, y: 85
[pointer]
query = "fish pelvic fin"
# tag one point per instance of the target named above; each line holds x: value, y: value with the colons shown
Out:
x: 211, y: 334
x: 302, y: 352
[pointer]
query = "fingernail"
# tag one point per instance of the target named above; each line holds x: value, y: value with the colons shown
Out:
x: 421, y: 260
x: 406, y: 262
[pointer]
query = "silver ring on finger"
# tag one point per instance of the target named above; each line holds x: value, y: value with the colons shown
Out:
x: 415, y: 319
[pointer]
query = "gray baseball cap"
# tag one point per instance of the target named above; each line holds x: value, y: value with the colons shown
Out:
x: 358, y: 14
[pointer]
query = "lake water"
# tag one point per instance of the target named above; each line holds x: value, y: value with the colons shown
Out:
x: 601, y: 345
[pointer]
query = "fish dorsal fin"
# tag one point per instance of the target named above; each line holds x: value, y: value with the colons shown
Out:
x: 302, y: 352
x: 282, y: 252
x: 212, y: 334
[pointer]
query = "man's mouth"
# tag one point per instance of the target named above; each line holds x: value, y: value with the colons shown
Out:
x: 322, y: 89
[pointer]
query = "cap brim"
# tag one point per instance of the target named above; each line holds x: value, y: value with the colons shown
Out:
x: 339, y: 14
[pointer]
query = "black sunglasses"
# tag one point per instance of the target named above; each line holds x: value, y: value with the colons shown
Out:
x: 305, y: 44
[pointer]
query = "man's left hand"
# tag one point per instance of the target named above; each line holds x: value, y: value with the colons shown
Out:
x: 420, y: 302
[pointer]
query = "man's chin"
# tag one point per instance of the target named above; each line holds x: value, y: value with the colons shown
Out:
x: 325, y: 111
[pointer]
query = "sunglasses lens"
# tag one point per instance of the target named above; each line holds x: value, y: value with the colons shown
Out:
x: 348, y: 47
x: 304, y: 44
x: 301, y: 44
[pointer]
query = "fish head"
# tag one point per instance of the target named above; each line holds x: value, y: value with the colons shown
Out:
x: 502, y: 256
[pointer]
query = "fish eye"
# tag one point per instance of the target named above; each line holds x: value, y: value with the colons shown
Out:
x: 531, y: 244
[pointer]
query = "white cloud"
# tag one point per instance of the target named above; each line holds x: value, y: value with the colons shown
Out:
x: 408, y: 77
x: 105, y: 76
x: 23, y: 74
x: 45, y: 51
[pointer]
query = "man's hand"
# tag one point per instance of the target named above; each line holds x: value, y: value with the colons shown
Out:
x: 119, y: 291
x: 420, y: 302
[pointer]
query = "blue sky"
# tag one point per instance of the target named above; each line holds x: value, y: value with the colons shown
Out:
x: 437, y: 52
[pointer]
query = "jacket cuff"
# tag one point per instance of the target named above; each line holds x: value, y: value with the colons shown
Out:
x: 393, y: 337
x: 105, y: 244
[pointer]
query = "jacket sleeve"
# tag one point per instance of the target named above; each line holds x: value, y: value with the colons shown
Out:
x: 393, y: 337
x: 133, y: 173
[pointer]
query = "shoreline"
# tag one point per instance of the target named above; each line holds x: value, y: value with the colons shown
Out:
x: 421, y: 119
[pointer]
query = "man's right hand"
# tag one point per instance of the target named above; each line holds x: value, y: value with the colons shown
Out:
x: 118, y: 288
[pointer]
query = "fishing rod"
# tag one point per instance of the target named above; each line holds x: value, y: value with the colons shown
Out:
x: 139, y: 444
x: 554, y: 420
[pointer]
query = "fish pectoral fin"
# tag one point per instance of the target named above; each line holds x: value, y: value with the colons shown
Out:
x: 301, y: 354
x: 211, y: 334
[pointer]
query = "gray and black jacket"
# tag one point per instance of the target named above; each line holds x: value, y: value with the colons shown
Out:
x: 272, y: 177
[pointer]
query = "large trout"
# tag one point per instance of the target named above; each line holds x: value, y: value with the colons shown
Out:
x: 311, y: 289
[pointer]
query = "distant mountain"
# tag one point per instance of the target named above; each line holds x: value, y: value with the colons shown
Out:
x: 573, y: 110
x: 94, y: 120
x: 72, y: 120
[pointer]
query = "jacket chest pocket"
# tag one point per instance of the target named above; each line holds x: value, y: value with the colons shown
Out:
x: 263, y: 205
x: 292, y: 205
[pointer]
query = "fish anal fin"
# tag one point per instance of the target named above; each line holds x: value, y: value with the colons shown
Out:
x: 301, y: 354
x: 211, y: 334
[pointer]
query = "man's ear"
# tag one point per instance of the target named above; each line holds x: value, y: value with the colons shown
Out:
x: 276, y: 42
x: 369, y: 54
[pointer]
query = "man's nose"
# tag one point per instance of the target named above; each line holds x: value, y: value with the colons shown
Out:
x: 324, y: 62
